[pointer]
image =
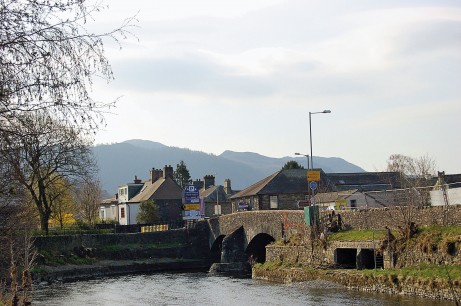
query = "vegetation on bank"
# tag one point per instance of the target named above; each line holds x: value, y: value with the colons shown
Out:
x: 434, y: 279
x: 435, y: 272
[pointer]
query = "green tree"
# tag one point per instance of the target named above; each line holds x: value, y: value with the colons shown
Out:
x: 292, y: 164
x: 148, y: 212
x: 182, y: 175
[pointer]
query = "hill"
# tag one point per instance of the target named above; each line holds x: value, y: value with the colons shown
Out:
x: 120, y: 162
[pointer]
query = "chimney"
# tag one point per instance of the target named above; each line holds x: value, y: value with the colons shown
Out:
x: 227, y: 186
x: 155, y: 174
x: 198, y: 184
x: 168, y: 171
x: 208, y: 181
x: 136, y: 180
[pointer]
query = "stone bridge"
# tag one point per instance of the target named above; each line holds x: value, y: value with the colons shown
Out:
x: 239, y: 238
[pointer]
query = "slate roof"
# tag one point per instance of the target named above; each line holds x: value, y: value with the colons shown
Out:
x: 295, y: 181
x: 209, y: 194
x: 161, y: 189
x: 284, y: 182
x: 329, y: 197
x: 365, y: 181
x: 255, y: 188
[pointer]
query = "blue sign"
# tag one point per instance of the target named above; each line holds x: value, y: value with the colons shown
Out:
x: 188, y: 200
x: 313, y: 185
x: 191, y: 191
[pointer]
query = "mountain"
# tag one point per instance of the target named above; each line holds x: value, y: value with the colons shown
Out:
x: 119, y: 163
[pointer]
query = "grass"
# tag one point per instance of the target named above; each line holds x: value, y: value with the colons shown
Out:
x: 421, y: 271
x: 59, y: 260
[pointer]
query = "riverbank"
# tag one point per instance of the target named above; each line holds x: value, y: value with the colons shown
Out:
x: 44, y: 274
x: 392, y: 282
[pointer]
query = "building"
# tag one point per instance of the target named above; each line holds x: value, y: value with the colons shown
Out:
x: 215, y: 198
x: 160, y: 188
x: 288, y: 188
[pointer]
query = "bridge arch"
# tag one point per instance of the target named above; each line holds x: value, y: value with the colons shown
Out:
x: 256, y: 249
x: 216, y: 249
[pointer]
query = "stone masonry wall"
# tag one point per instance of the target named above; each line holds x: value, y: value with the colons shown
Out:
x: 378, y: 218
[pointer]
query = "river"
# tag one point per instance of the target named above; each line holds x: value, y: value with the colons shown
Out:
x: 204, y: 289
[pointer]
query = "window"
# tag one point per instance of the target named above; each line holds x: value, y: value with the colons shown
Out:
x: 353, y: 203
x: 122, y: 212
x: 274, y: 202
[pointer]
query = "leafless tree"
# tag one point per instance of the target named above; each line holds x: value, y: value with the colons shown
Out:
x: 17, y: 255
x: 88, y: 197
x: 48, y: 59
x: 414, y: 177
x: 42, y: 152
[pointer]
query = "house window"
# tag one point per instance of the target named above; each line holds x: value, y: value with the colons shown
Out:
x: 122, y: 212
x: 274, y: 202
x: 353, y: 203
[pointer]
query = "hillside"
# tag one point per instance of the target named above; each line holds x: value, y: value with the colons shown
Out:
x: 119, y: 163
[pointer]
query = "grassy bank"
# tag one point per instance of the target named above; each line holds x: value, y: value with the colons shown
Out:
x: 431, y: 281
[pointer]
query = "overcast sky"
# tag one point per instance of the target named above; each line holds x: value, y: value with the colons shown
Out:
x: 243, y: 75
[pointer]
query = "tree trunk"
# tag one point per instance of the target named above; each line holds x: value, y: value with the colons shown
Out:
x: 44, y: 222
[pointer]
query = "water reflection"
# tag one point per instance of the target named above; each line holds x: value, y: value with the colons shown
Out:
x: 203, y: 289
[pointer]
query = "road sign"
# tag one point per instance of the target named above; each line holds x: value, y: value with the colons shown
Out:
x: 191, y: 191
x: 191, y: 200
x: 313, y: 185
x: 313, y: 175
x: 191, y: 206
x: 191, y: 215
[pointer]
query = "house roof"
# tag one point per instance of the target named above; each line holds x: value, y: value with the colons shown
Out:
x: 329, y: 197
x: 161, y: 189
x: 255, y: 188
x: 109, y: 201
x: 211, y: 192
x: 284, y: 182
x: 295, y: 181
x: 365, y: 181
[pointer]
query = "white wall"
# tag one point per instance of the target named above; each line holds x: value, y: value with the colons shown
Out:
x: 454, y: 197
x: 131, y: 211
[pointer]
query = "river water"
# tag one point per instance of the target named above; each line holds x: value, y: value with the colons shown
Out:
x: 203, y: 289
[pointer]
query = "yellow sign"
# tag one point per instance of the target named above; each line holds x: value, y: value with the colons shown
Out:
x: 191, y: 206
x: 313, y: 175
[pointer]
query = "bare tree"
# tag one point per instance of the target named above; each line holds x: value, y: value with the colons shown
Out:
x: 17, y: 255
x: 414, y: 178
x: 88, y: 197
x: 415, y: 175
x: 41, y: 152
x: 48, y: 59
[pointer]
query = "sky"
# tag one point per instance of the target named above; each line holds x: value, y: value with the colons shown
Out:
x: 243, y: 75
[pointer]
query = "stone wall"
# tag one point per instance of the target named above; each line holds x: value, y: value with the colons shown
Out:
x: 378, y: 218
x: 196, y: 239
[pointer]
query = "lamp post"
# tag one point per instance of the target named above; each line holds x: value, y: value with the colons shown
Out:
x: 327, y: 111
x: 307, y: 155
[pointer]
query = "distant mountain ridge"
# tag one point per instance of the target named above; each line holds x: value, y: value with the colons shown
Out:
x: 119, y: 163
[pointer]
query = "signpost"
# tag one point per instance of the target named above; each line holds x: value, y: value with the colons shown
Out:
x: 313, y: 175
x: 191, y: 203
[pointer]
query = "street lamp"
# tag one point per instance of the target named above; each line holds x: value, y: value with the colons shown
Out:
x: 307, y: 155
x: 327, y: 111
